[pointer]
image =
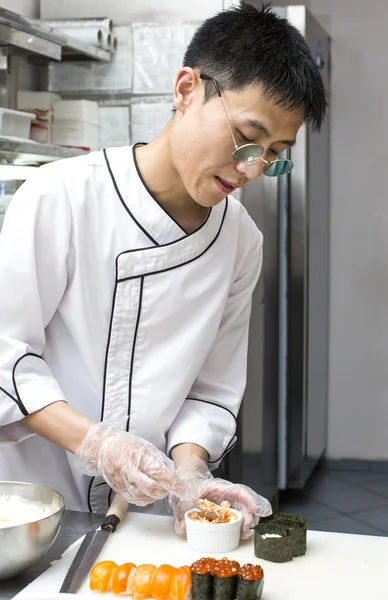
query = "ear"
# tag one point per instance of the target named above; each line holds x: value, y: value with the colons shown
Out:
x: 186, y: 84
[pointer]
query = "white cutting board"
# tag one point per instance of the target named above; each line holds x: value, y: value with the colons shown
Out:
x: 336, y: 566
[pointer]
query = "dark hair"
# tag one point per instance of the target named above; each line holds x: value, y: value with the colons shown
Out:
x: 245, y: 46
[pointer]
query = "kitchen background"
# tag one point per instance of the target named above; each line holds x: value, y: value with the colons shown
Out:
x: 355, y: 459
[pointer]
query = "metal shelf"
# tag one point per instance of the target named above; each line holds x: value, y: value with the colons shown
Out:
x: 76, y: 50
x: 29, y: 36
x: 35, y: 38
x: 29, y: 152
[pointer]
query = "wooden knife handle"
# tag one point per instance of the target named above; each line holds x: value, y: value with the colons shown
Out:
x: 115, y: 514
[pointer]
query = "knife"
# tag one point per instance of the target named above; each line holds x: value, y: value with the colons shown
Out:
x: 92, y: 545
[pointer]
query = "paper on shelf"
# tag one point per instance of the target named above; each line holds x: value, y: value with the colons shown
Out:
x: 91, y: 76
x: 149, y: 116
x: 114, y: 126
x: 158, y: 50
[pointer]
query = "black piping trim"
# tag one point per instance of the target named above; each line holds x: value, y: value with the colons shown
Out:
x: 19, y: 400
x: 100, y: 484
x: 148, y: 189
x: 122, y: 200
x: 230, y: 445
x: 133, y: 350
x: 184, y: 237
x: 228, y: 448
x: 108, y: 344
x: 9, y: 395
x: 89, y: 494
x: 181, y: 264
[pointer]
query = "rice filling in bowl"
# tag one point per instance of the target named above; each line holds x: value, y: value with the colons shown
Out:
x: 223, y: 511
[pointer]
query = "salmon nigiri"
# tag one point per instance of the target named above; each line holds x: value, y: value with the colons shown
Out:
x: 181, y: 585
x: 100, y: 575
x: 161, y: 582
x: 120, y: 576
x: 142, y: 581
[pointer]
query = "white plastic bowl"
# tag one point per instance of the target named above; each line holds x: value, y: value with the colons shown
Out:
x: 215, y: 538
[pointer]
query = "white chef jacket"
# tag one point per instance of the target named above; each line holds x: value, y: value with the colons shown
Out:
x: 107, y: 303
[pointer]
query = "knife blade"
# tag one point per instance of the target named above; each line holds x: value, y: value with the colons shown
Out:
x: 92, y: 545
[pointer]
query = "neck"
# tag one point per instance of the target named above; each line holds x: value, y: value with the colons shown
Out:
x: 163, y: 180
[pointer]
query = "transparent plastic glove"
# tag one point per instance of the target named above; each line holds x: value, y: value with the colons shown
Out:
x: 201, y: 484
x: 131, y: 466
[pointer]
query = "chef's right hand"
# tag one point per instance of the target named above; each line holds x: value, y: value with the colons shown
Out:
x: 131, y: 466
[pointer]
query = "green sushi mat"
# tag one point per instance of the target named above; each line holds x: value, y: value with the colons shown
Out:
x: 292, y: 528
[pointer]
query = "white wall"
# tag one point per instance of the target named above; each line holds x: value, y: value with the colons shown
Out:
x: 27, y: 8
x: 125, y: 11
x: 358, y: 412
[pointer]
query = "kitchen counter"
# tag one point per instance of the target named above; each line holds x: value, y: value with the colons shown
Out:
x: 336, y: 566
x: 75, y: 524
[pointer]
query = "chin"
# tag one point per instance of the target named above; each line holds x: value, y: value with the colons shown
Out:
x: 208, y: 198
x: 208, y: 202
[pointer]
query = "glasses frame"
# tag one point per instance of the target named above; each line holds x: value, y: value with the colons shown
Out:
x: 237, y: 149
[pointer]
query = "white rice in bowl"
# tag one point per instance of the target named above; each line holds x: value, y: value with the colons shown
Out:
x: 15, y: 510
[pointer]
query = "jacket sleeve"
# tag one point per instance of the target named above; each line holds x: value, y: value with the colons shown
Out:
x: 208, y: 415
x: 34, y: 244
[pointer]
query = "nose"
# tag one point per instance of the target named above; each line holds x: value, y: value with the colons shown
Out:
x: 251, y: 170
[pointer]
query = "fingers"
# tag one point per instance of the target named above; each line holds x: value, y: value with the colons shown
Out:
x: 148, y: 486
x: 180, y: 508
x: 155, y: 467
x: 247, y: 524
x: 169, y: 481
x: 240, y: 496
x: 135, y: 487
x: 130, y: 493
x: 180, y: 525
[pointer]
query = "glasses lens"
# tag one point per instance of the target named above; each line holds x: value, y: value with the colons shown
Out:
x: 278, y: 167
x: 248, y: 153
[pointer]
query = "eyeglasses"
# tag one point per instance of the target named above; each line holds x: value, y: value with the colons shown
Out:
x: 251, y: 152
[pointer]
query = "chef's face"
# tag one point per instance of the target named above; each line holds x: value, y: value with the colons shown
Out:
x: 202, y: 144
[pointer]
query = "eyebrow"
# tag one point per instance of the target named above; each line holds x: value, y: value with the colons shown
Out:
x: 261, y: 127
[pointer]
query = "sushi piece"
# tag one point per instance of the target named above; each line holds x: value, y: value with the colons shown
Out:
x: 297, y: 530
x: 202, y: 578
x: 181, y: 585
x: 142, y: 581
x: 100, y: 575
x: 250, y: 582
x: 273, y: 546
x: 225, y: 579
x: 120, y: 576
x: 161, y: 582
x: 280, y: 538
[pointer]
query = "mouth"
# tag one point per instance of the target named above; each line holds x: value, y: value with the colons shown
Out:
x: 225, y: 186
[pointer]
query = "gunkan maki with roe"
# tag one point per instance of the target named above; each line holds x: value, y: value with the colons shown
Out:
x: 225, y: 579
x: 202, y: 578
x: 250, y: 582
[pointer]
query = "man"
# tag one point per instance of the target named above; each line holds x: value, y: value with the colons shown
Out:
x: 126, y: 279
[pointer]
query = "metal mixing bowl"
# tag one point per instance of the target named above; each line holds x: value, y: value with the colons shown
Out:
x: 23, y: 545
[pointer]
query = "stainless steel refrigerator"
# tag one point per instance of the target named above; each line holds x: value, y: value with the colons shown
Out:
x: 283, y: 422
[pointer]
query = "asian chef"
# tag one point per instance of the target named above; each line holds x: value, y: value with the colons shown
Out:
x: 126, y: 278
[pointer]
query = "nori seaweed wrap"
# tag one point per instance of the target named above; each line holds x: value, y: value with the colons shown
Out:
x: 250, y: 582
x: 225, y: 579
x: 280, y: 538
x: 202, y: 578
x: 297, y: 530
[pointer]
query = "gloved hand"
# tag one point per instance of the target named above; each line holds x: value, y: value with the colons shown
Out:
x: 201, y: 484
x: 131, y: 466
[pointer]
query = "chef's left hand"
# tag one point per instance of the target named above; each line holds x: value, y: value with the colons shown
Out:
x: 201, y: 484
